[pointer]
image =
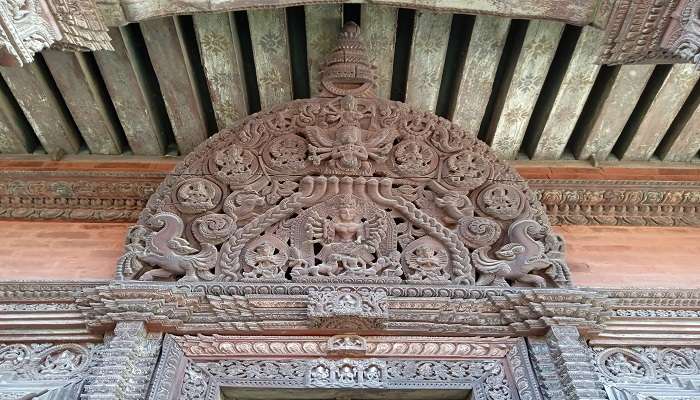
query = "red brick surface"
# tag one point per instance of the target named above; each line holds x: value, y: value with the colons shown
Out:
x: 598, y: 256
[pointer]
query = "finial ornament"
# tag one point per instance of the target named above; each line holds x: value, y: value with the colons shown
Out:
x: 347, y: 70
x: 345, y: 188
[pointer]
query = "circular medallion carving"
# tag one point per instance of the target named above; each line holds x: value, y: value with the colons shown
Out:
x: 213, y: 228
x: 501, y: 201
x: 234, y: 165
x: 414, y: 158
x: 287, y: 154
x: 197, y: 195
x: 676, y: 362
x: 623, y: 365
x: 466, y: 171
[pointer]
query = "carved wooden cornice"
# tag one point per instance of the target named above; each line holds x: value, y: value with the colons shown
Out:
x: 82, y: 311
x: 29, y: 26
x: 94, y: 192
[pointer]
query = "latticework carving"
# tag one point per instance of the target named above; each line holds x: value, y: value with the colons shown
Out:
x: 345, y: 188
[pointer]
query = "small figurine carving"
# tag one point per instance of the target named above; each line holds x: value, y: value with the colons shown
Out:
x: 622, y: 366
x: 426, y: 260
x: 266, y: 259
x: 197, y: 195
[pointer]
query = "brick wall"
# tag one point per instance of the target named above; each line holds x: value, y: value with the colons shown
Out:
x: 598, y: 256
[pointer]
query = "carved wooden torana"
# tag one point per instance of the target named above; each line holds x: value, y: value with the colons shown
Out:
x: 348, y: 244
x: 345, y: 187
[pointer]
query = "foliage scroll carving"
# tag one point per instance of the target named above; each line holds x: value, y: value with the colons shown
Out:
x: 345, y: 188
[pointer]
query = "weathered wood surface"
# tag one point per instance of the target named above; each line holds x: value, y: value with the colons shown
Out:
x: 431, y: 32
x: 182, y: 101
x: 488, y: 37
x: 42, y: 107
x: 614, y: 110
x: 86, y: 100
x: 135, y: 104
x: 684, y: 143
x: 508, y: 128
x: 663, y: 109
x: 379, y: 34
x: 576, y: 12
x: 571, y: 97
x: 323, y: 22
x: 268, y: 32
x: 219, y: 47
x: 16, y: 136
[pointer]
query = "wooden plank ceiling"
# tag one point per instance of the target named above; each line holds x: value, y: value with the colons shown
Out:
x: 531, y: 89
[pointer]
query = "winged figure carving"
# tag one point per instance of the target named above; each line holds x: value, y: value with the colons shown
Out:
x: 168, y: 251
x: 350, y: 150
x: 516, y: 260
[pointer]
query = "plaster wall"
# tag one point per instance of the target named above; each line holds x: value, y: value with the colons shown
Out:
x: 643, y: 257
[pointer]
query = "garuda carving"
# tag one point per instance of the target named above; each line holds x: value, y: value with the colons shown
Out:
x: 345, y: 188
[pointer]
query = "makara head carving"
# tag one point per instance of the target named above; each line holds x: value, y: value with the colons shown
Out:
x: 345, y: 187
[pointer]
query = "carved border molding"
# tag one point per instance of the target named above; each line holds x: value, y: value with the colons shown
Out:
x: 195, y: 367
x: 81, y: 311
x: 120, y: 196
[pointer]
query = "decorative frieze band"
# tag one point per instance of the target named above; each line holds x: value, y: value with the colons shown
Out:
x: 120, y: 196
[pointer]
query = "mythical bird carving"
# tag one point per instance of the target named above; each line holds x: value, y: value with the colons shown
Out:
x: 517, y: 260
x: 168, y: 250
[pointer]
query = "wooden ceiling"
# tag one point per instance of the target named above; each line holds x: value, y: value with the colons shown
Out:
x: 531, y: 89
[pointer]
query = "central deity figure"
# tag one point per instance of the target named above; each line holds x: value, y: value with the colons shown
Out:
x: 350, y: 151
x: 348, y: 242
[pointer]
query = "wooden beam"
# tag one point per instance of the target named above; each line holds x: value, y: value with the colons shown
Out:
x: 663, y: 109
x: 684, y: 144
x: 32, y: 88
x: 571, y: 97
x: 129, y: 87
x: 323, y: 22
x: 613, y: 111
x: 488, y: 37
x: 508, y: 128
x: 220, y: 51
x: 16, y: 136
x: 431, y: 32
x: 268, y: 32
x: 88, y: 103
x: 379, y: 34
x: 577, y: 12
x: 172, y: 68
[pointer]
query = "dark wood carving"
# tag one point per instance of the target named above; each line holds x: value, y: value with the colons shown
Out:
x: 96, y: 196
x: 652, y: 32
x: 345, y: 187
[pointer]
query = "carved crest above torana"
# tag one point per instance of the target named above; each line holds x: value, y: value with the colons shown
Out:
x: 345, y: 188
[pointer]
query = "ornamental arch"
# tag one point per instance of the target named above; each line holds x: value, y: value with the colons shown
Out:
x: 345, y: 188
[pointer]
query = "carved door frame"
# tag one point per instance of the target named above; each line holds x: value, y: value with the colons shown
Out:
x: 198, y: 367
